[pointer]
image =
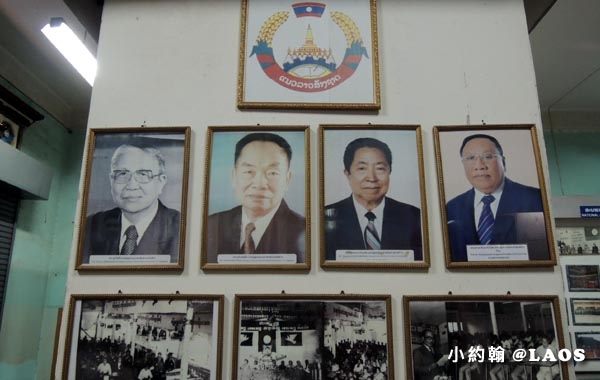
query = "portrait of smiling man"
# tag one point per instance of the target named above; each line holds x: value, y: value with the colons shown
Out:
x: 368, y: 220
x: 140, y: 224
x: 262, y: 222
x: 489, y: 212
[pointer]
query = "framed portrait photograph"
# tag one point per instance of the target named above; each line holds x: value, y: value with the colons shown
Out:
x: 257, y: 198
x: 372, y: 196
x: 133, y: 336
x: 585, y: 311
x: 493, y: 197
x: 440, y: 331
x: 583, y: 278
x: 134, y: 199
x: 309, y: 55
x: 590, y: 343
x: 313, y: 337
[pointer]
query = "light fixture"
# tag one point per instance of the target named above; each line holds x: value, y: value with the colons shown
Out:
x: 71, y: 47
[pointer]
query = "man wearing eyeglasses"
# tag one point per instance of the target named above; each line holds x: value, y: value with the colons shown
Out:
x: 140, y: 224
x: 486, y: 214
x: 427, y: 363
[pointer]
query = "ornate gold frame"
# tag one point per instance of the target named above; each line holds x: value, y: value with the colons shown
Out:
x: 152, y: 297
x: 243, y: 56
x: 239, y: 298
x: 406, y: 300
x: 205, y: 265
x: 185, y: 131
x: 486, y: 129
x: 425, y: 263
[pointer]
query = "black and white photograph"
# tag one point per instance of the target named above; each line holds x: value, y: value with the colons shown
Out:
x: 144, y: 337
x: 583, y: 278
x: 440, y: 331
x: 134, y: 199
x: 373, y: 204
x: 257, y: 198
x: 585, y: 311
x: 590, y: 343
x: 291, y: 337
x: 493, y: 196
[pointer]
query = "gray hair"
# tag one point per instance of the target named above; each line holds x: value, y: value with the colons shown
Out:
x: 160, y: 159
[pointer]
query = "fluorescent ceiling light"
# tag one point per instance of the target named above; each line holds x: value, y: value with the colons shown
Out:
x: 71, y: 47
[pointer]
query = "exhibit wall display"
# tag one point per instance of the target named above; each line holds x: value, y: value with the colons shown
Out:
x: 176, y: 63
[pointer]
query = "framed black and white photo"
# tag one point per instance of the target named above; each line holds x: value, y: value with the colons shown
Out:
x: 493, y: 197
x: 257, y: 198
x: 133, y: 213
x: 440, y: 331
x: 133, y: 336
x: 313, y: 337
x: 585, y: 311
x: 372, y: 197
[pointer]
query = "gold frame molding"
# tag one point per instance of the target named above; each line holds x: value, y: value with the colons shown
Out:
x: 276, y: 129
x: 151, y: 297
x: 489, y: 129
x: 185, y: 132
x: 406, y: 300
x: 425, y: 263
x: 239, y: 298
x: 306, y: 105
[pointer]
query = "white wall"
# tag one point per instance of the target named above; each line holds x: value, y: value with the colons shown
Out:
x: 441, y: 62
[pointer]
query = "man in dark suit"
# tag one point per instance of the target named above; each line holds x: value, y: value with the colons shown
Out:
x: 367, y: 219
x: 262, y: 223
x: 489, y: 212
x: 140, y: 224
x: 426, y: 362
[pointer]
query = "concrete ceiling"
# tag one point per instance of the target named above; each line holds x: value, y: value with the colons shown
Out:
x: 566, y: 54
x: 565, y: 45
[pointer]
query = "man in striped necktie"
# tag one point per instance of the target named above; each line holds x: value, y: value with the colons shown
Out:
x: 486, y: 214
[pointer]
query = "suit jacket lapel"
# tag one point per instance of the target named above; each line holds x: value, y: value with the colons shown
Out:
x: 111, y: 236
x: 470, y: 228
x: 273, y: 239
x: 351, y: 228
x: 505, y: 221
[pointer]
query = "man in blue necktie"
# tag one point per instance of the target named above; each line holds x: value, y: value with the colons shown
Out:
x: 486, y: 214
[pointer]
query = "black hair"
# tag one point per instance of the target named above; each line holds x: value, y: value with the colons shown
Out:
x: 366, y: 142
x: 266, y: 137
x: 484, y: 136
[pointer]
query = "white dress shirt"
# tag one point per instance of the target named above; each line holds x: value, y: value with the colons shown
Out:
x: 363, y: 221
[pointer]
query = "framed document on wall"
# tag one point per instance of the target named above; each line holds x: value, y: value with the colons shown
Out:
x: 134, y: 199
x: 373, y: 205
x: 257, y: 198
x: 493, y: 196
x: 309, y: 55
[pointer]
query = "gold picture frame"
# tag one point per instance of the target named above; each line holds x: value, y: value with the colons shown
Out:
x: 448, y: 322
x: 502, y: 163
x: 309, y: 55
x: 155, y: 207
x: 118, y: 327
x: 306, y: 330
x: 376, y: 169
x: 257, y: 177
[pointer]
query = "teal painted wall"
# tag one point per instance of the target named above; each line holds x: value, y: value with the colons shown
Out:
x: 40, y: 257
x: 573, y: 162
